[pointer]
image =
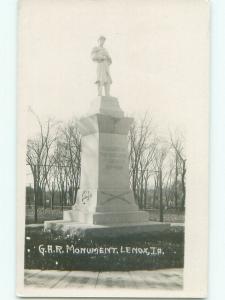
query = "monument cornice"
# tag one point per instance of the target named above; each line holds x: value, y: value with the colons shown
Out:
x: 100, y: 123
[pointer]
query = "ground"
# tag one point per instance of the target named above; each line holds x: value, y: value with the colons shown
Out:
x: 171, y: 279
x: 137, y: 274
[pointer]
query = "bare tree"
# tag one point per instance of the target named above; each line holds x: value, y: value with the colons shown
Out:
x: 51, y: 183
x: 67, y: 161
x: 177, y: 144
x: 156, y: 186
x: 73, y: 157
x: 141, y: 152
x: 159, y: 166
x: 169, y: 184
x: 38, y: 158
x: 61, y: 170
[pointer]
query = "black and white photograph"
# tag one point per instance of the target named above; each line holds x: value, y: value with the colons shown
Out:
x: 112, y: 193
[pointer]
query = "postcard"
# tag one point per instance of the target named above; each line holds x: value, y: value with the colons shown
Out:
x: 112, y: 165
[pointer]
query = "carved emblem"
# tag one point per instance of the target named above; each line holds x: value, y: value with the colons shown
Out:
x: 86, y: 196
x: 117, y: 196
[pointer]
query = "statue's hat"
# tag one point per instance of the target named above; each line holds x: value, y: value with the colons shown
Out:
x: 101, y: 37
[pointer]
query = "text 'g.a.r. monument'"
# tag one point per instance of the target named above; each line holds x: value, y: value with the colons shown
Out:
x: 105, y: 201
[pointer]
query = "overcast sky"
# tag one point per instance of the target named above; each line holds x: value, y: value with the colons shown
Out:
x: 157, y: 53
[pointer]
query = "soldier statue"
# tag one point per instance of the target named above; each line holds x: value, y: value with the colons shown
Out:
x: 101, y: 56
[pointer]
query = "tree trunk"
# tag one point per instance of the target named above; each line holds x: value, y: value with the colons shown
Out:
x: 44, y: 197
x: 155, y: 192
x: 62, y: 197
x: 183, y: 185
x: 141, y: 192
x: 35, y: 195
x: 175, y: 183
x: 145, y: 194
x: 52, y: 196
x: 160, y: 197
x: 75, y: 195
x: 167, y: 199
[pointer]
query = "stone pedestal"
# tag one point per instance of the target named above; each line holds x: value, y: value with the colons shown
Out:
x: 105, y: 197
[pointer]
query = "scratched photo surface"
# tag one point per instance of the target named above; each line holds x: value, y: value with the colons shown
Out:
x: 112, y: 148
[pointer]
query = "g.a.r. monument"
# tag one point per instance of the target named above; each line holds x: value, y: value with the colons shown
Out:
x: 105, y: 202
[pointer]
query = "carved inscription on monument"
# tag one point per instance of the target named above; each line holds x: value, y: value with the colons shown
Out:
x: 114, y: 157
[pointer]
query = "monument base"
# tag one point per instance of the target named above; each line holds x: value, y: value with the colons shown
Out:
x: 105, y: 218
x: 95, y: 231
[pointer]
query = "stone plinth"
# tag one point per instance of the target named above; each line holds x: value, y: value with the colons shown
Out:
x: 105, y: 197
x: 106, y: 106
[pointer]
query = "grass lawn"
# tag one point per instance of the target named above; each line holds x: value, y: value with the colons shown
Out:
x: 45, y: 250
